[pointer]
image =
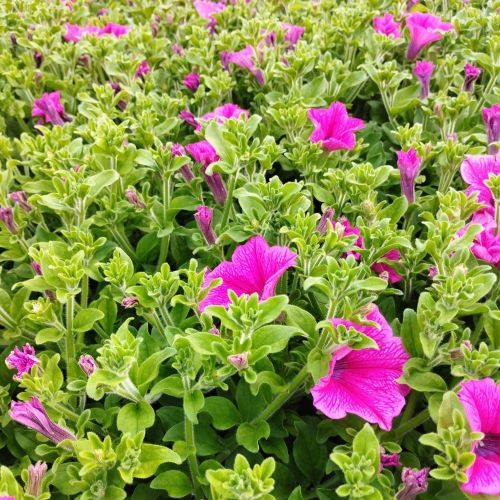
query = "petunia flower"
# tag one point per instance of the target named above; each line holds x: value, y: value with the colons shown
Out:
x: 423, y: 71
x: 204, y: 153
x: 88, y: 364
x: 293, y: 33
x: 239, y: 361
x: 190, y: 119
x: 424, y: 29
x: 75, y: 33
x: 347, y: 230
x: 117, y: 30
x: 334, y: 128
x: 486, y: 244
x: 387, y: 26
x: 472, y: 73
x: 409, y: 165
x: 21, y: 199
x: 191, y: 82
x: 7, y: 217
x: 22, y: 361
x: 226, y: 112
x: 254, y: 268
x: 206, y: 10
x: 481, y: 402
x: 32, y: 414
x: 414, y: 483
x: 389, y: 460
x: 203, y: 218
x: 475, y: 170
x: 142, y: 70
x: 491, y: 117
x: 386, y: 269
x: 245, y: 59
x: 36, y: 472
x: 50, y: 109
x: 323, y: 223
x: 363, y: 382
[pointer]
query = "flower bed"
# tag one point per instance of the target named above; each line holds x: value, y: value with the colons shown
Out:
x: 250, y: 249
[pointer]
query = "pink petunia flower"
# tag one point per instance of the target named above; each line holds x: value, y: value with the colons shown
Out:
x: 75, y: 33
x: 254, y: 268
x: 245, y: 59
x: 33, y: 415
x: 486, y: 244
x: 142, y: 70
x: 205, y: 154
x: 21, y: 199
x: 226, y: 112
x: 206, y: 10
x: 334, y: 128
x: 348, y: 230
x: 491, y: 117
x: 191, y: 82
x: 190, y: 119
x: 386, y: 269
x: 22, y: 361
x: 409, y: 165
x: 472, y: 73
x: 203, y: 218
x: 481, y: 402
x: 387, y: 26
x: 293, y: 33
x: 88, y: 364
x: 363, y: 381
x: 50, y: 109
x: 414, y: 483
x: 423, y: 71
x: 117, y: 30
x: 424, y: 29
x: 475, y: 170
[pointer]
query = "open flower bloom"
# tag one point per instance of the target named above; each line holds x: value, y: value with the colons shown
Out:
x: 387, y: 26
x: 191, y: 81
x: 424, y: 29
x: 334, y: 128
x: 423, y: 71
x: 386, y: 269
x: 226, y: 112
x: 293, y: 33
x: 254, y: 268
x: 363, y: 381
x: 33, y: 415
x: 75, y: 33
x: 409, y: 165
x: 491, y: 117
x: 49, y: 109
x: 245, y: 59
x: 142, y: 70
x: 486, y: 244
x: 481, y: 402
x: 348, y: 230
x: 22, y: 361
x: 206, y: 10
x: 117, y: 30
x: 475, y: 170
x: 472, y: 73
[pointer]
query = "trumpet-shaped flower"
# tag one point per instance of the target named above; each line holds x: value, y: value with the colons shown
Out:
x: 293, y: 33
x: 22, y: 361
x: 472, y: 73
x: 334, y: 128
x: 486, y: 244
x: 254, y: 268
x: 424, y: 29
x: 226, y: 112
x: 245, y: 59
x: 423, y: 71
x: 387, y: 26
x: 363, y: 381
x: 409, y: 165
x: 207, y: 9
x: 491, y: 117
x: 50, y: 109
x: 191, y: 81
x: 475, y: 170
x: 481, y: 402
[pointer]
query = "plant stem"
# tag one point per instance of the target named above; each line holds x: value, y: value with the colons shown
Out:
x: 164, y: 243
x: 486, y: 91
x: 229, y: 201
x: 70, y: 343
x: 409, y: 425
x: 192, y: 461
x: 84, y: 297
x: 410, y: 407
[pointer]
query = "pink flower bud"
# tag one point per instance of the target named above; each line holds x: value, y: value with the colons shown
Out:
x: 192, y: 82
x: 214, y: 330
x: 239, y: 361
x: 409, y: 165
x: 7, y: 217
x: 142, y: 70
x: 415, y: 482
x: 323, y: 223
x: 423, y: 71
x: 203, y: 218
x: 472, y: 73
x: 37, y: 268
x: 36, y: 473
x: 130, y: 302
x: 177, y: 49
x: 21, y: 199
x: 131, y: 195
x: 88, y: 364
x: 38, y: 57
x: 491, y: 117
x: 190, y: 119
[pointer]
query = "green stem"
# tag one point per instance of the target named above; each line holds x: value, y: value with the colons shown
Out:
x: 122, y: 240
x: 486, y: 91
x: 162, y: 256
x: 66, y: 412
x: 165, y: 241
x: 409, y: 425
x: 229, y: 201
x: 70, y: 343
x: 192, y: 461
x: 410, y: 407
x: 83, y: 304
x: 477, y: 331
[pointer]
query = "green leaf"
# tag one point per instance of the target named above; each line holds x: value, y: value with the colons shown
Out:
x: 366, y: 445
x: 275, y: 337
x: 49, y: 335
x: 193, y: 403
x: 151, y: 457
x: 223, y: 412
x: 85, y: 319
x: 249, y: 434
x: 309, y: 455
x: 295, y: 316
x: 410, y: 333
x: 318, y: 363
x: 395, y: 210
x: 99, y: 181
x: 174, y: 482
x: 135, y: 417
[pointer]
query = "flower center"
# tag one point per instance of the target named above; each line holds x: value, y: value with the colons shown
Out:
x: 490, y: 445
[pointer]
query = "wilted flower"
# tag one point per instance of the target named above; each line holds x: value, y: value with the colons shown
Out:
x: 130, y: 302
x: 239, y: 361
x: 334, y: 128
x: 192, y: 82
x: 203, y: 218
x: 36, y: 473
x: 323, y: 223
x: 409, y: 165
x: 387, y: 26
x: 49, y: 109
x: 88, y: 364
x: 21, y: 199
x: 364, y: 381
x: 33, y: 415
x: 424, y: 29
x: 472, y: 73
x: 7, y: 217
x: 22, y: 361
x: 142, y: 70
x: 255, y: 267
x: 423, y: 71
x: 133, y: 198
x: 491, y: 117
x: 414, y: 481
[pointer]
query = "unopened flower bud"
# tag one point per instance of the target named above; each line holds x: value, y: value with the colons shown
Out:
x: 38, y: 75
x: 13, y: 39
x: 154, y: 29
x: 36, y: 473
x: 323, y: 223
x: 472, y: 73
x: 388, y: 459
x: 239, y: 361
x: 130, y: 302
x: 7, y: 217
x: 85, y: 60
x: 214, y: 330
x: 203, y: 218
x: 88, y: 364
x: 38, y: 57
x: 133, y: 199
x: 37, y: 268
x: 415, y: 482
x: 21, y: 199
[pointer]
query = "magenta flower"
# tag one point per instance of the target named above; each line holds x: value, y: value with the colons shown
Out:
x: 472, y: 73
x: 205, y: 154
x: 409, y: 165
x: 363, y: 381
x: 386, y: 269
x: 323, y: 223
x: 7, y: 217
x: 387, y: 26
x: 206, y: 10
x: 33, y: 415
x: 49, y: 109
x: 21, y: 199
x: 293, y: 33
x: 389, y: 460
x: 75, y: 33
x: 414, y: 483
x: 177, y: 150
x: 203, y: 218
x: 481, y: 402
x: 475, y: 170
x: 348, y: 230
x: 192, y: 82
x: 177, y: 49
x: 226, y: 112
x: 254, y: 268
x: 142, y: 70
x: 245, y: 59
x: 36, y: 473
x: 37, y: 268
x: 239, y: 361
x: 491, y: 117
x: 88, y: 364
x: 423, y: 71
x: 185, y: 170
x: 334, y: 128
x: 133, y: 198
x: 117, y: 30
x: 22, y: 361
x: 424, y: 29
x: 130, y: 302
x: 486, y: 244
x: 190, y: 119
